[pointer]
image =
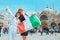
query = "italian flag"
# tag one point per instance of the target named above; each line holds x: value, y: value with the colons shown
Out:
x: 29, y: 23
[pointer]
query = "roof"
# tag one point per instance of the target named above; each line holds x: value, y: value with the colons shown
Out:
x: 50, y: 10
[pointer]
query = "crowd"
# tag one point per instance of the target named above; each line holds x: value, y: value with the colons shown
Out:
x: 52, y: 29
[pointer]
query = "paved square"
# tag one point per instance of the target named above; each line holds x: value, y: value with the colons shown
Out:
x: 35, y: 36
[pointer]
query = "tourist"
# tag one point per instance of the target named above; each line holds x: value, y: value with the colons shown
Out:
x: 55, y: 28
x: 21, y: 20
x: 5, y: 30
x: 0, y: 30
x: 1, y: 27
x: 59, y: 27
x: 51, y: 30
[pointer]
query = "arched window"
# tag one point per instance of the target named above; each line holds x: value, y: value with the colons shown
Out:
x: 43, y: 17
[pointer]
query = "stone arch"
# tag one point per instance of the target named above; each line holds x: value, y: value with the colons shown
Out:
x: 52, y: 24
x: 43, y: 17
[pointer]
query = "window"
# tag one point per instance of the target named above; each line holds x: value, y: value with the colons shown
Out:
x: 43, y: 17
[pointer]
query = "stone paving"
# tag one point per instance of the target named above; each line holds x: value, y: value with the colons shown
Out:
x: 36, y: 36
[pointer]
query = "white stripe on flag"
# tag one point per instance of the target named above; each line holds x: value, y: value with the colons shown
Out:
x: 27, y: 23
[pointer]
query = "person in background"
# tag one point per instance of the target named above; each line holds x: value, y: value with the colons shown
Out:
x: 55, y: 29
x: 21, y: 20
x: 5, y: 30
x: 54, y: 26
x: 59, y: 27
x: 40, y: 30
x: 1, y: 27
x: 45, y: 29
x: 0, y: 30
x: 13, y: 27
x: 51, y: 30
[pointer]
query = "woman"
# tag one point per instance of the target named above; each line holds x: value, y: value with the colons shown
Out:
x: 21, y: 20
x: 55, y: 29
x: 54, y: 26
x: 13, y: 27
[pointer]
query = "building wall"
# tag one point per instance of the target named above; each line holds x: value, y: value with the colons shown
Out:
x: 4, y: 19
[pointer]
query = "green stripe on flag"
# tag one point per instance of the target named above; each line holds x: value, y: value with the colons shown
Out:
x: 35, y: 21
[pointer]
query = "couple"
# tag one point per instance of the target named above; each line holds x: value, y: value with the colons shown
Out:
x: 13, y: 26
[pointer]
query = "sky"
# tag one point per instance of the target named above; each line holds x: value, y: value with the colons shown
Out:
x: 29, y: 5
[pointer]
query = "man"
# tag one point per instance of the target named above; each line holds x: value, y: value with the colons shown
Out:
x: 0, y: 30
x: 22, y: 19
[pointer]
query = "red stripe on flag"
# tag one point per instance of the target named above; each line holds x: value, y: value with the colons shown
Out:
x: 21, y: 27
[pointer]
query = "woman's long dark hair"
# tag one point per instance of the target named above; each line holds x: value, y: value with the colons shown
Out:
x: 59, y: 24
x: 16, y: 14
x: 21, y: 18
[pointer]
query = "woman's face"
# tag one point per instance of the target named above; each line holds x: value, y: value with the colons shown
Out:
x: 18, y: 15
x: 21, y: 11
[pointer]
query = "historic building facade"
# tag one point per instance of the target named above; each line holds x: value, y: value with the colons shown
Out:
x: 48, y: 16
x: 5, y: 18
